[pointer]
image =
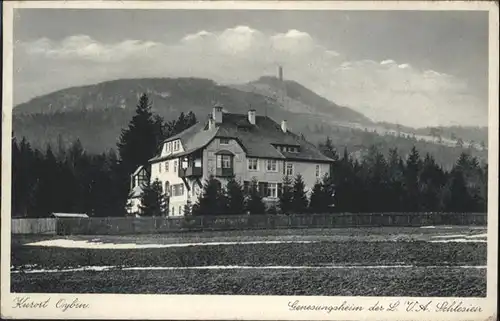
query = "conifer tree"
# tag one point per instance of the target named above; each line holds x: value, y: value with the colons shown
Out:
x: 286, y: 196
x: 234, y: 197
x: 188, y: 208
x: 153, y: 200
x: 319, y: 202
x: 329, y: 190
x: 45, y: 194
x: 210, y: 200
x: 376, y: 181
x: 139, y: 141
x: 456, y: 197
x: 137, y: 144
x: 411, y: 181
x: 346, y: 185
x: 299, y: 197
x: 329, y: 150
x: 395, y: 181
x: 254, y: 203
x: 431, y: 183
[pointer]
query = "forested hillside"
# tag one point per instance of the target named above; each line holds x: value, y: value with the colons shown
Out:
x: 96, y: 114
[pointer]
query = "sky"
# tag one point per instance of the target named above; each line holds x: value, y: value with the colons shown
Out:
x: 415, y: 68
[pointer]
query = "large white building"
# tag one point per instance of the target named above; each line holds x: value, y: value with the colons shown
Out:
x: 225, y: 145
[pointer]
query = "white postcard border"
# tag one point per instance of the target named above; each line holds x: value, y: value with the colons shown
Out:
x: 125, y: 306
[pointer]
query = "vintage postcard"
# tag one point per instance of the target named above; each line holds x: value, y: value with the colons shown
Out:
x: 249, y: 160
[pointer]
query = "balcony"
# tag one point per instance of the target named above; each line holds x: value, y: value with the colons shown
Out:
x: 224, y: 172
x: 191, y: 172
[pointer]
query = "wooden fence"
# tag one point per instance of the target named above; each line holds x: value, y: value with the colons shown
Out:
x: 148, y: 225
x: 34, y: 226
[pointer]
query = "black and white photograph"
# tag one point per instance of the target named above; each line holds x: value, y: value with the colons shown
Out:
x: 257, y: 152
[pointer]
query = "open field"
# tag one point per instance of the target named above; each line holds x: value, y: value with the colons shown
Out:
x: 441, y: 261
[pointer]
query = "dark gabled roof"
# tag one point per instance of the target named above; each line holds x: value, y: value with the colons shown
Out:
x: 257, y: 140
x: 192, y: 139
x: 138, y: 170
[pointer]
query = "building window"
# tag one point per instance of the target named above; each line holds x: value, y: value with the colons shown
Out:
x: 253, y: 164
x: 272, y: 190
x: 178, y: 190
x: 180, y: 210
x: 167, y: 189
x: 272, y: 165
x: 224, y: 161
x: 173, y: 210
x: 318, y: 171
x: 166, y: 166
x: 176, y: 145
x: 289, y: 169
x: 175, y: 165
x: 224, y: 141
x: 159, y: 167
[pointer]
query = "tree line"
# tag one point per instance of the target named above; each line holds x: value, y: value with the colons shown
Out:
x: 377, y: 183
x: 69, y: 179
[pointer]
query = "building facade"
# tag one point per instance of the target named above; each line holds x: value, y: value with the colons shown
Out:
x: 228, y: 145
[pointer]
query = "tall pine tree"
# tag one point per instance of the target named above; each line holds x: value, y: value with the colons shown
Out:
x: 210, y: 201
x: 235, y: 199
x: 411, y: 181
x: 254, y: 203
x: 299, y: 197
x: 138, y: 143
x: 153, y: 200
x: 285, y: 198
x: 319, y: 200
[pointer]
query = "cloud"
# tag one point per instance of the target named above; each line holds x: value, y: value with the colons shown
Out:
x: 82, y: 47
x: 383, y: 90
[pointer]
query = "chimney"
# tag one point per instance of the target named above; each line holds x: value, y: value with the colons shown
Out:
x: 251, y: 116
x: 217, y: 114
x: 284, y: 126
x: 211, y: 123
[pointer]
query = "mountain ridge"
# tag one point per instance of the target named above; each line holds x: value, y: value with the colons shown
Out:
x: 95, y: 114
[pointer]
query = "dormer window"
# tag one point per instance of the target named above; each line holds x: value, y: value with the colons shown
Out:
x: 168, y: 148
x: 224, y: 141
x: 177, y: 145
x: 289, y: 149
